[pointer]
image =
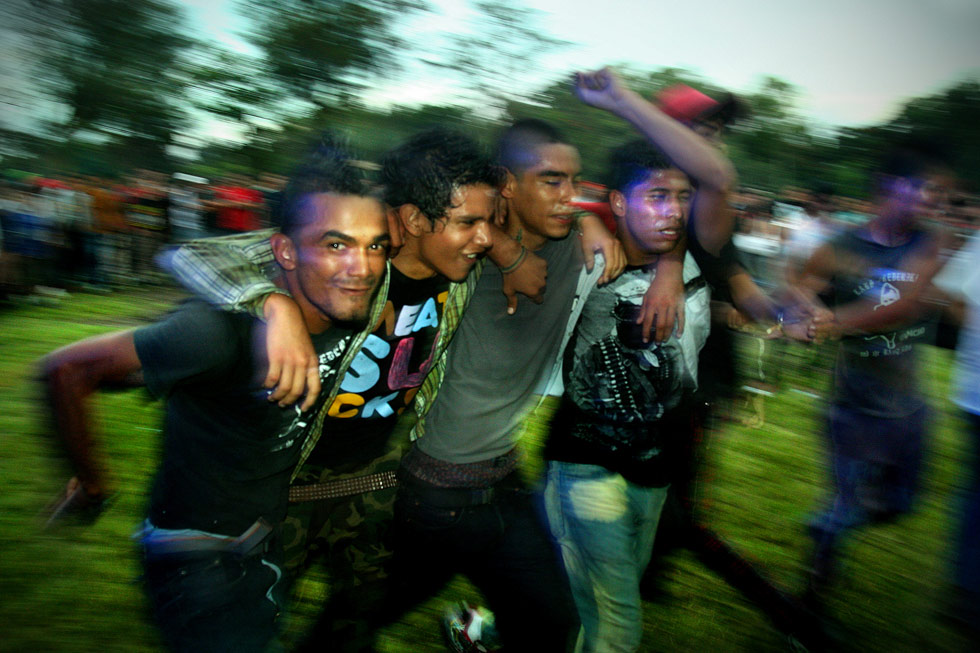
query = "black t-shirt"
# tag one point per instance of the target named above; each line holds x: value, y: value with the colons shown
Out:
x: 385, y: 374
x: 228, y: 452
x: 716, y: 367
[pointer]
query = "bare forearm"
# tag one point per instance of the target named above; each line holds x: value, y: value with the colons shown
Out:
x: 689, y: 151
x: 750, y: 300
x: 71, y: 375
x: 505, y: 250
x: 67, y: 392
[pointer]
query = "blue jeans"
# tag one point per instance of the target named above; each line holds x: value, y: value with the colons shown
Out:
x: 502, y: 546
x: 216, y: 601
x: 605, y: 527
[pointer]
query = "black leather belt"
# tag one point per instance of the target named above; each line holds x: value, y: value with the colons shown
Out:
x: 460, y: 497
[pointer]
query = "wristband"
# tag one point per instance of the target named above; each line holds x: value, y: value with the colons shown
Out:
x: 517, y: 262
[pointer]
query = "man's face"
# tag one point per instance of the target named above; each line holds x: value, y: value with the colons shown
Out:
x: 452, y: 245
x: 541, y: 195
x: 711, y: 129
x: 654, y: 213
x: 340, y: 257
x: 933, y: 196
x: 924, y: 198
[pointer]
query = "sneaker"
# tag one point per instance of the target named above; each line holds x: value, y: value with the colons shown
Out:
x: 470, y: 629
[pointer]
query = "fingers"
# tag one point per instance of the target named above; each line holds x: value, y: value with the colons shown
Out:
x: 272, y: 378
x: 313, y: 387
x: 661, y: 322
x: 590, y: 262
x: 293, y: 381
x: 297, y: 387
x: 512, y: 302
x: 665, y: 323
x: 283, y: 385
x: 75, y: 504
x: 620, y: 265
x: 647, y: 318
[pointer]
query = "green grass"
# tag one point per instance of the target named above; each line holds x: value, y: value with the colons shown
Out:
x: 74, y: 589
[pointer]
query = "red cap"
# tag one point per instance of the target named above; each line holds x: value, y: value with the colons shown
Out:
x: 681, y: 102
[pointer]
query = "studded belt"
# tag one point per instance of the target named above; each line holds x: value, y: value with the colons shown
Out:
x: 342, y: 488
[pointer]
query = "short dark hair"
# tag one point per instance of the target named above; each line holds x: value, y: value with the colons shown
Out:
x: 327, y: 168
x: 632, y: 162
x: 430, y: 166
x: 911, y: 158
x: 516, y: 144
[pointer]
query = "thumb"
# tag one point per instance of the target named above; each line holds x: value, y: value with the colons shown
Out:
x: 589, y: 260
x: 511, y: 303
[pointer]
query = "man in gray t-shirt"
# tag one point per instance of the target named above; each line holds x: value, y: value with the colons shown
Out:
x: 461, y: 505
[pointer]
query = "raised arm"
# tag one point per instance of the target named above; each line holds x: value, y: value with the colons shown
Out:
x: 70, y: 376
x: 704, y: 163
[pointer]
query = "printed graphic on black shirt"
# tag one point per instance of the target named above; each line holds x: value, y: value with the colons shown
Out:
x: 302, y: 419
x: 385, y: 374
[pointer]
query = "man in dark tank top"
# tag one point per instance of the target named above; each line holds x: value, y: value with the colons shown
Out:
x: 877, y: 276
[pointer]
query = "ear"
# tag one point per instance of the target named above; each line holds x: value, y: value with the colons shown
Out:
x: 413, y: 219
x: 617, y: 202
x: 509, y: 187
x: 284, y: 250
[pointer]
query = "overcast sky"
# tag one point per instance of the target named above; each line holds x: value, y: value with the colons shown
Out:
x: 854, y: 61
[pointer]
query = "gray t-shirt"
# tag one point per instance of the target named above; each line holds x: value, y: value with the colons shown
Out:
x: 496, y: 361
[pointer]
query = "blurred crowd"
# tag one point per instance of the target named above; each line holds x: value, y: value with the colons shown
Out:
x: 92, y: 233
x: 76, y: 232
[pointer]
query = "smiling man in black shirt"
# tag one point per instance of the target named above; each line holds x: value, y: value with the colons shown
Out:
x: 212, y: 555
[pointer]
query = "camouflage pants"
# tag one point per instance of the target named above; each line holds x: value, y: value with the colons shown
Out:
x: 348, y: 536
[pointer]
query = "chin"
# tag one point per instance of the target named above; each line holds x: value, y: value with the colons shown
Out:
x: 354, y: 322
x: 458, y: 273
x: 351, y: 316
x: 560, y: 232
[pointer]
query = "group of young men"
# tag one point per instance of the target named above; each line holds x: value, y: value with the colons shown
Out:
x: 283, y: 390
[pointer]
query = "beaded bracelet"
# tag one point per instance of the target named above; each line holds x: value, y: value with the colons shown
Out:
x: 517, y: 262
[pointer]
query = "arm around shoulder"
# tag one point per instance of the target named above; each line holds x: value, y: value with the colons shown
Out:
x: 228, y: 272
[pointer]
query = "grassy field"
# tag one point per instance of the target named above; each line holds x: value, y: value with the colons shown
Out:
x: 75, y: 589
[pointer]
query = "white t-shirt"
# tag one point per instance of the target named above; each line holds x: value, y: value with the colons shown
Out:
x: 961, y: 278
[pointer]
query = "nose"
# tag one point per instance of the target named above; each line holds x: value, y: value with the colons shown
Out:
x: 567, y: 191
x: 359, y: 263
x: 482, y: 235
x: 675, y: 209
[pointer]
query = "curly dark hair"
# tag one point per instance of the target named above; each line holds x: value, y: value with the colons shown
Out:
x: 430, y: 166
x: 326, y: 168
x: 632, y: 162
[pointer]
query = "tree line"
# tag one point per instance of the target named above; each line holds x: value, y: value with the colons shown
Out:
x: 127, y: 84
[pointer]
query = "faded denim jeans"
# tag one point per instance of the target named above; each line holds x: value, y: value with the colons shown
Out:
x: 605, y: 527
